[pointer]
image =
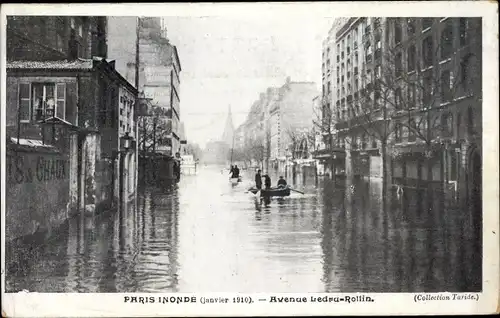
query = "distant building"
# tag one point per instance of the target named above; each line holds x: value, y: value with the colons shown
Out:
x: 291, y: 116
x: 228, y: 133
x: 435, y: 107
x: 159, y: 70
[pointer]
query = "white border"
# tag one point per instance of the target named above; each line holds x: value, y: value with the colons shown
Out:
x: 71, y: 304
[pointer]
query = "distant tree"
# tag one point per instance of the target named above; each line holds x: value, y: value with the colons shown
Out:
x: 194, y: 150
x: 154, y: 130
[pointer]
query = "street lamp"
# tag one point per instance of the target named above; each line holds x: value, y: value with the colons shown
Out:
x: 126, y: 142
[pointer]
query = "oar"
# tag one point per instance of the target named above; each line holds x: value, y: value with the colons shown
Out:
x: 297, y: 191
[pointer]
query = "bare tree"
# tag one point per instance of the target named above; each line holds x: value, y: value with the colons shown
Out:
x: 401, y: 100
x: 154, y: 130
x: 324, y: 123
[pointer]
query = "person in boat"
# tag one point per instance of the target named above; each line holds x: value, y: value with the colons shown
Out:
x: 258, y: 180
x: 281, y: 182
x: 267, y: 181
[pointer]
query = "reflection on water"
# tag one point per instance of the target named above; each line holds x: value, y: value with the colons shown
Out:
x: 206, y: 234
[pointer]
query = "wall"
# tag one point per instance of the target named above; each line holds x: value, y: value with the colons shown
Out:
x: 122, y: 45
x: 37, y: 191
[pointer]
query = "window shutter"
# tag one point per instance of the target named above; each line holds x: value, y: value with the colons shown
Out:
x: 61, y: 100
x: 71, y: 103
x: 24, y: 101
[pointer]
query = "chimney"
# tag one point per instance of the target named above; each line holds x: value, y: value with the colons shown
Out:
x: 112, y: 64
x: 72, y: 46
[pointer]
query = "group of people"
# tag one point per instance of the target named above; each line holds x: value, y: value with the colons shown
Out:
x: 234, y: 172
x: 267, y: 181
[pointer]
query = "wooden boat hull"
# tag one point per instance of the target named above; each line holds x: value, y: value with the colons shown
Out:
x: 273, y: 192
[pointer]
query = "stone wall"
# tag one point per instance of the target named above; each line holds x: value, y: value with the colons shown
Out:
x: 37, y: 191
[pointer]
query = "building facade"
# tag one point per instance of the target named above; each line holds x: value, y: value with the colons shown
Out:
x: 63, y: 112
x: 421, y: 76
x: 142, y: 41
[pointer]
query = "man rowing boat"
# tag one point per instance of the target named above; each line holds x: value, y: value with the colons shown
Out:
x: 281, y: 183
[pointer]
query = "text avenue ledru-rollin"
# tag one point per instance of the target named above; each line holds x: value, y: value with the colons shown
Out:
x: 248, y: 300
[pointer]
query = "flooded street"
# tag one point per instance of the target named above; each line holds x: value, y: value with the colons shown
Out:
x: 206, y: 235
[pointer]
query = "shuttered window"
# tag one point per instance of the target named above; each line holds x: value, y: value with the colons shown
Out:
x: 41, y: 100
x: 24, y: 102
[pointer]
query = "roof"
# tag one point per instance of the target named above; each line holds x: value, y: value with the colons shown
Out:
x: 79, y: 64
x: 58, y: 121
x: 70, y: 65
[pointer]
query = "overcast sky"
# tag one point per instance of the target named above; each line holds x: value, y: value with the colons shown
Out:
x: 230, y: 61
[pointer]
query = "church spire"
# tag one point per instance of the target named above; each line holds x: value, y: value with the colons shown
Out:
x: 228, y: 133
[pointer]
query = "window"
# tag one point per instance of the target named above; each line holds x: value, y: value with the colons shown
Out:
x: 445, y: 86
x: 72, y: 23
x: 447, y: 125
x: 80, y: 30
x: 464, y: 31
x: 41, y: 100
x: 470, y: 121
x: 328, y: 87
x: 428, y: 51
x: 447, y: 41
x: 464, y: 73
x: 459, y: 125
x: 410, y: 23
x: 412, y: 126
x: 376, y: 98
x: 355, y: 70
x: 338, y: 58
x: 412, y: 95
x: 426, y: 23
x: 428, y: 89
x: 398, y: 99
x: 342, y: 55
x: 356, y: 84
x: 398, y: 33
x: 378, y: 71
x: 398, y: 132
x: 399, y: 64
x: 411, y: 58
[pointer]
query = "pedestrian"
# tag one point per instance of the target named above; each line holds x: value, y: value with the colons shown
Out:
x: 281, y: 182
x: 258, y: 180
x: 267, y: 181
x: 236, y: 172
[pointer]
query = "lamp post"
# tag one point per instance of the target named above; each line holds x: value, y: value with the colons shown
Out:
x: 125, y: 143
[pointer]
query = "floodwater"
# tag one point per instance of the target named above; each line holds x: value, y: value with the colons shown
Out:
x: 207, y: 235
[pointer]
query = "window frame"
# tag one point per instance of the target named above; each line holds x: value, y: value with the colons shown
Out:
x: 31, y: 111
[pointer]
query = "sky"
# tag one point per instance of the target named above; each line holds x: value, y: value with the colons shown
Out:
x: 230, y: 61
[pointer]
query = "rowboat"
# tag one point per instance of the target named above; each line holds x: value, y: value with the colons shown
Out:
x: 272, y: 192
